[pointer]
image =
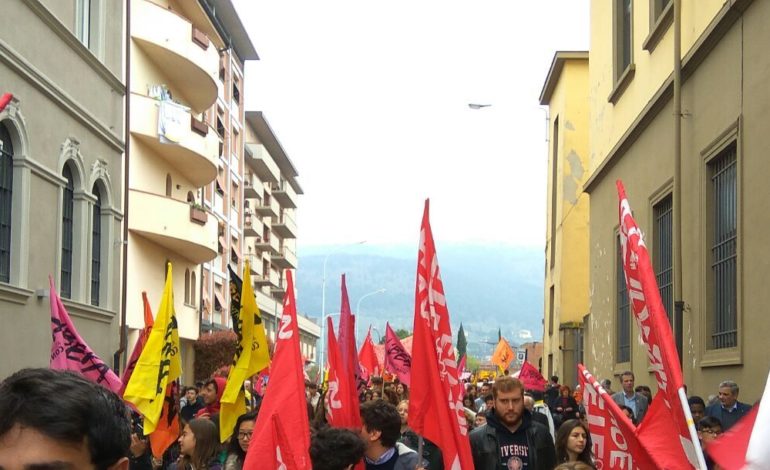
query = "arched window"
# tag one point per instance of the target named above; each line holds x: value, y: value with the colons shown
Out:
x: 193, y: 297
x: 6, y: 190
x: 186, y: 286
x: 96, y: 245
x: 168, y: 185
x: 68, y: 209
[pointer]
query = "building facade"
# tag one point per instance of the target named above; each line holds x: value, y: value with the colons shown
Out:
x: 717, y: 309
x: 61, y: 174
x: 565, y: 92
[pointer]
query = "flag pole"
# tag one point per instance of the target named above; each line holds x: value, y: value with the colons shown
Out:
x: 691, y: 426
x: 420, y: 445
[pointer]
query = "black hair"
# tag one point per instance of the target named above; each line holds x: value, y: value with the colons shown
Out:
x: 555, y: 378
x: 708, y: 422
x: 489, y: 397
x: 235, y: 446
x: 81, y: 411
x: 379, y: 415
x: 696, y: 400
x: 562, y: 435
x: 187, y: 389
x: 335, y: 448
x: 629, y: 409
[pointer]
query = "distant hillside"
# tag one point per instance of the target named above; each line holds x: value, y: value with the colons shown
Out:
x: 486, y: 287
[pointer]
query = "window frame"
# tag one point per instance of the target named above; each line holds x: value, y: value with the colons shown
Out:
x: 67, y: 251
x: 661, y: 20
x: 6, y: 210
x: 96, y: 245
x: 621, y: 361
x: 621, y: 78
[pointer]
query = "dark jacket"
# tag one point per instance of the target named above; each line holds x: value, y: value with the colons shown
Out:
x: 728, y: 418
x: 485, y: 448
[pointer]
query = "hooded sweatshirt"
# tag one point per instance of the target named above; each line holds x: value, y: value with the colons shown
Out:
x: 513, y: 448
x: 213, y: 408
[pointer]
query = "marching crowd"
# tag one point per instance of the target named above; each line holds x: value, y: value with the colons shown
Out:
x: 58, y: 420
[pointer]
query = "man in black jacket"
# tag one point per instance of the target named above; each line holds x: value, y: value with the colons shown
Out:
x: 511, y: 439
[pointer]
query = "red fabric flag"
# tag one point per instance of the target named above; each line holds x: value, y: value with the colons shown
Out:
x: 613, y: 437
x: 729, y: 449
x: 435, y: 404
x: 397, y: 359
x: 531, y: 377
x: 656, y: 333
x: 167, y: 430
x: 139, y: 346
x: 347, y: 342
x: 342, y: 408
x: 287, y: 440
x: 368, y: 358
x: 4, y: 100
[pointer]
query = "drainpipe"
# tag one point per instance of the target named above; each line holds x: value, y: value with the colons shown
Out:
x: 116, y: 359
x: 677, y: 202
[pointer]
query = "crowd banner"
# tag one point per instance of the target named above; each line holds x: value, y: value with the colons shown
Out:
x: 341, y: 400
x: 397, y: 359
x: 656, y: 334
x: 435, y: 402
x: 347, y: 341
x: 251, y: 355
x: 70, y: 352
x: 368, y: 358
x: 532, y: 378
x: 503, y: 354
x: 159, y: 364
x: 140, y: 342
x: 282, y: 426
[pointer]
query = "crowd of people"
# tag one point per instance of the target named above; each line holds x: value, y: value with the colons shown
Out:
x: 51, y: 419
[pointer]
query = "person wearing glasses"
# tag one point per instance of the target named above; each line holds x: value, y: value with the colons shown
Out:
x: 239, y: 442
x: 709, y: 428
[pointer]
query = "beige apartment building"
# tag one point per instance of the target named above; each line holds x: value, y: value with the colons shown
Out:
x: 61, y: 174
x: 565, y: 92
x: 714, y: 287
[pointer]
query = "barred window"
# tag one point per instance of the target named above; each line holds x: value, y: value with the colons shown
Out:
x: 623, y: 321
x: 663, y: 253
x: 724, y: 227
x: 6, y: 192
x: 66, y: 234
x: 96, y: 246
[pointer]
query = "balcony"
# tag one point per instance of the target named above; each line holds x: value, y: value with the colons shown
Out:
x: 270, y: 209
x: 285, y: 227
x: 168, y: 223
x: 259, y: 159
x: 189, y: 62
x: 285, y: 195
x: 284, y: 259
x: 252, y: 187
x: 252, y: 226
x: 194, y: 156
x: 278, y: 291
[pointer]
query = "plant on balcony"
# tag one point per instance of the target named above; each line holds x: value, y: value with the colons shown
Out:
x: 198, y: 213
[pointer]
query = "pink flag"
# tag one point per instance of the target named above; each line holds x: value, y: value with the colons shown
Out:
x: 729, y: 449
x: 656, y: 333
x: 613, y: 437
x: 342, y: 407
x: 139, y: 346
x: 435, y: 402
x: 368, y: 358
x: 4, y: 100
x: 397, y: 359
x: 70, y: 352
x: 531, y: 378
x: 288, y: 439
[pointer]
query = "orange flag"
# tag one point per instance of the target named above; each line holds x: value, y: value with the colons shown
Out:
x: 503, y: 354
x: 167, y: 431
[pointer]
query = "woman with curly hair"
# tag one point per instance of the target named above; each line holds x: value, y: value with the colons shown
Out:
x: 573, y: 444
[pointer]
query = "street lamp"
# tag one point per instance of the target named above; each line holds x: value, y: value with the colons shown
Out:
x: 358, y: 304
x: 323, y: 301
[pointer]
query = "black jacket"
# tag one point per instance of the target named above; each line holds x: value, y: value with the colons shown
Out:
x: 485, y: 449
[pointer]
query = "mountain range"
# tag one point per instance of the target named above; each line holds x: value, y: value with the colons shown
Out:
x: 487, y: 288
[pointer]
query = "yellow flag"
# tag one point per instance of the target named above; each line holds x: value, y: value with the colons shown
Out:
x: 251, y: 356
x: 159, y: 363
x: 503, y: 354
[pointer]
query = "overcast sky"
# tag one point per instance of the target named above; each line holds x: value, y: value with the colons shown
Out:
x: 370, y: 101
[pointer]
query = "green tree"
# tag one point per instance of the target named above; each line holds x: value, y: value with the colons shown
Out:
x: 462, y: 343
x: 401, y: 333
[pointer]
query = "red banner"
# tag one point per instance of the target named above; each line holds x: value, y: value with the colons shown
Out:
x: 397, y: 359
x: 531, y: 378
x: 287, y: 440
x: 656, y: 333
x: 613, y: 436
x: 347, y: 343
x: 435, y: 402
x: 4, y: 100
x: 341, y: 399
x: 368, y: 359
x: 167, y: 430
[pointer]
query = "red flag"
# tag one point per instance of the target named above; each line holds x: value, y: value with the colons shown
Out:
x: 347, y: 342
x: 167, y: 430
x: 729, y: 449
x: 656, y: 333
x: 139, y: 346
x: 4, y: 100
x: 342, y: 408
x: 531, y: 378
x: 397, y: 359
x: 435, y: 404
x: 368, y: 358
x: 613, y: 437
x: 288, y: 440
